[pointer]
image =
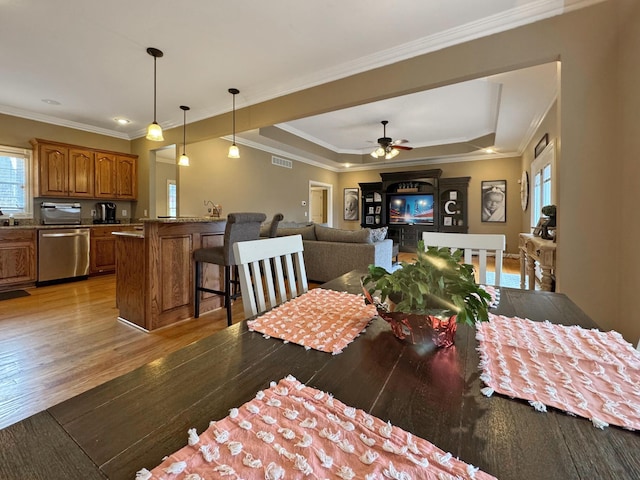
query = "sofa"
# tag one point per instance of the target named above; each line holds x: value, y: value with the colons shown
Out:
x: 331, y: 252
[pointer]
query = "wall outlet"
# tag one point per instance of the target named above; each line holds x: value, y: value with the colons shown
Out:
x: 145, y: 213
x: 93, y: 213
x: 124, y: 213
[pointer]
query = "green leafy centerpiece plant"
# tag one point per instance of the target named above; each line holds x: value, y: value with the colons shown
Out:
x: 432, y: 294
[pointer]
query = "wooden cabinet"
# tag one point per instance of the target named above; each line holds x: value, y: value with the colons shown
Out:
x: 17, y: 258
x: 102, y: 251
x: 53, y: 170
x: 372, y: 205
x: 155, y: 272
x: 116, y: 176
x: 126, y: 177
x: 453, y: 205
x: 73, y: 171
x: 81, y: 173
x: 105, y: 175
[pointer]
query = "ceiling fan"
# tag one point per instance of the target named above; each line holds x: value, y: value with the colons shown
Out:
x: 388, y: 148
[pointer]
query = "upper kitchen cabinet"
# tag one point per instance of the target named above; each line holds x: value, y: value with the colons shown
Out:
x: 73, y: 171
x: 116, y: 176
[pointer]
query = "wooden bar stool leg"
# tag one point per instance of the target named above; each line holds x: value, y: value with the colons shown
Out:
x: 227, y: 293
x: 196, y: 292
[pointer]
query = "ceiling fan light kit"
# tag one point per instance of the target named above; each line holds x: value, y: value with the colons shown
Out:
x: 387, y: 147
x: 154, y: 131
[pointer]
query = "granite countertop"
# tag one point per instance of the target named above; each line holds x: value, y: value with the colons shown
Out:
x: 82, y: 225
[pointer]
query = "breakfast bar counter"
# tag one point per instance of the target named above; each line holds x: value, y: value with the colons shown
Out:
x: 155, y: 270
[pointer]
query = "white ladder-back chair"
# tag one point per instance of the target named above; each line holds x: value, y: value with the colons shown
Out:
x: 471, y: 242
x: 274, y: 264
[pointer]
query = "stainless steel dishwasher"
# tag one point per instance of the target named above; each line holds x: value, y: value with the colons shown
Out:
x: 63, y: 253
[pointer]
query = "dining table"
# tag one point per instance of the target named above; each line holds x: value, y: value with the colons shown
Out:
x: 133, y: 421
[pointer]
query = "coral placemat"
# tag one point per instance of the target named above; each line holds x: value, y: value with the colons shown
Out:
x: 294, y: 431
x: 589, y: 373
x: 321, y: 319
x: 494, y: 293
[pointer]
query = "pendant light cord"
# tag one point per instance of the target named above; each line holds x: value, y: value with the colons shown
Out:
x: 234, y: 118
x: 155, y: 60
x: 184, y: 132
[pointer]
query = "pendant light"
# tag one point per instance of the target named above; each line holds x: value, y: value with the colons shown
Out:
x: 154, y: 131
x: 183, y: 161
x: 233, y: 149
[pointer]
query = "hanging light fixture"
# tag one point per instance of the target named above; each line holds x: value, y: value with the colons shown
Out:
x: 183, y: 161
x: 154, y: 131
x: 233, y: 149
x: 387, y: 148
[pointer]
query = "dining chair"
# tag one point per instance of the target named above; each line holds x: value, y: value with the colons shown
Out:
x: 240, y: 227
x: 470, y: 243
x: 271, y: 272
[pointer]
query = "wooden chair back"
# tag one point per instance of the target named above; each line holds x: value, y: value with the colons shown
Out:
x: 271, y: 272
x: 470, y: 243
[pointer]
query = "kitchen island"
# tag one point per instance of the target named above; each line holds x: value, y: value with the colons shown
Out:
x: 155, y: 270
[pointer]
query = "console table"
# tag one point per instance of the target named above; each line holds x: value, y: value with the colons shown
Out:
x: 535, y: 249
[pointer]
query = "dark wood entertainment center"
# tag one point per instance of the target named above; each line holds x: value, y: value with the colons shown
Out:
x: 448, y: 195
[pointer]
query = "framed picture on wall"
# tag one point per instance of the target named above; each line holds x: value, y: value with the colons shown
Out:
x: 494, y: 201
x: 351, y: 203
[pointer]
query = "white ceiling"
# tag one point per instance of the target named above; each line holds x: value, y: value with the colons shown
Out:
x: 90, y: 57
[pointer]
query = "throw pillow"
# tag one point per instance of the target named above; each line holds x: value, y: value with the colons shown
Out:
x: 378, y: 234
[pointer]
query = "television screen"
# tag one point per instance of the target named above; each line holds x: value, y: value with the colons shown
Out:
x: 406, y: 209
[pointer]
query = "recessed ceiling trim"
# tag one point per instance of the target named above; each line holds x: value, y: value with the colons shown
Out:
x: 282, y: 153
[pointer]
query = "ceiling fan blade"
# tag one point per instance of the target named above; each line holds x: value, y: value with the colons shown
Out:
x: 401, y: 140
x: 402, y: 147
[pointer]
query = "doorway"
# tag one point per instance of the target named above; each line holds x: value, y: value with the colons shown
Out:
x: 163, y: 172
x: 321, y: 203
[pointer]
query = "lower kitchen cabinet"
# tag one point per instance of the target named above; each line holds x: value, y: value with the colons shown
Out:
x: 17, y: 258
x: 102, y: 251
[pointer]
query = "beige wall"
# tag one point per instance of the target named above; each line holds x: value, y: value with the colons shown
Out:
x: 250, y: 183
x: 624, y: 271
x: 16, y: 132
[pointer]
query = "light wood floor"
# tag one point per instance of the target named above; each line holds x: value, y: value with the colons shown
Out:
x: 66, y: 339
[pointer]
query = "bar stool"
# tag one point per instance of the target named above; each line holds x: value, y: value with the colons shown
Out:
x: 273, y: 228
x: 240, y: 227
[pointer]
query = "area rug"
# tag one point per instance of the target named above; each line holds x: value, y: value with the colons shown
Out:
x: 589, y: 373
x: 13, y: 294
x: 510, y: 280
x: 321, y: 319
x: 293, y: 431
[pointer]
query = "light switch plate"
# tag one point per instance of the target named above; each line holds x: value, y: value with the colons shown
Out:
x: 124, y: 213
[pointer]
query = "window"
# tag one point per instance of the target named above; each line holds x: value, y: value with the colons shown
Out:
x: 172, y: 195
x: 15, y: 168
x: 542, y: 169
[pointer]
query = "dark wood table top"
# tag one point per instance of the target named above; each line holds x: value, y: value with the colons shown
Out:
x: 133, y: 421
